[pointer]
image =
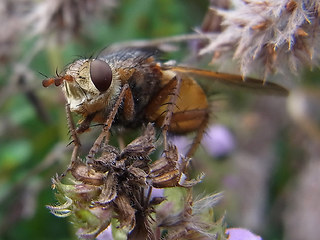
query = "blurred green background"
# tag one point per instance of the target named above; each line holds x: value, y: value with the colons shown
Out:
x: 260, y: 178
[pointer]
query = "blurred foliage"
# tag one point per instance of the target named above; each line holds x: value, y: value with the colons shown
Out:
x: 33, y: 143
x: 26, y: 138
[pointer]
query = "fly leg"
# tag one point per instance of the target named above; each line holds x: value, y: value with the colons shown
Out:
x: 190, y: 117
x: 104, y: 135
x: 85, y: 124
x: 175, y: 88
x: 75, y: 139
x: 198, y: 116
x: 128, y: 104
x: 197, y: 139
x: 180, y: 107
x: 128, y: 111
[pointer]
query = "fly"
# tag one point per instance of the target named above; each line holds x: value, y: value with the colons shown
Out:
x: 131, y: 86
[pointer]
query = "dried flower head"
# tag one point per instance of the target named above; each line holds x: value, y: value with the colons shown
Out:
x: 64, y: 18
x: 118, y: 184
x: 57, y: 19
x: 11, y: 13
x: 194, y: 221
x: 269, y: 36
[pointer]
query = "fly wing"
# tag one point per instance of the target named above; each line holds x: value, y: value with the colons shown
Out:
x: 136, y: 53
x: 234, y: 81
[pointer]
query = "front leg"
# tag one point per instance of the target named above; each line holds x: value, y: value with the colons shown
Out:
x: 75, y: 140
x: 128, y: 105
x: 85, y: 123
x: 104, y: 135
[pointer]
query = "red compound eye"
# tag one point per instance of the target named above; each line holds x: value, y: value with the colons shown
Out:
x: 101, y: 74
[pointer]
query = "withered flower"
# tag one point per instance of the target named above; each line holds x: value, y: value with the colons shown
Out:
x: 190, y: 222
x: 64, y: 18
x: 118, y: 184
x: 270, y: 36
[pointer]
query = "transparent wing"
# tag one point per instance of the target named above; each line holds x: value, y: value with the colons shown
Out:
x: 234, y: 81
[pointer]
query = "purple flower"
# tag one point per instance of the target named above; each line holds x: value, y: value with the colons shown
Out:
x: 106, y: 234
x: 182, y: 143
x: 157, y: 192
x: 218, y: 141
x: 241, y: 234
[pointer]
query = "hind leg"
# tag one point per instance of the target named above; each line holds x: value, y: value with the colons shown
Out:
x: 192, y: 120
x: 180, y: 107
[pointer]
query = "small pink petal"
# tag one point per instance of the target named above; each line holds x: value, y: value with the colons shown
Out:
x: 105, y: 234
x: 241, y: 234
x: 157, y: 192
x: 218, y: 141
x: 182, y: 143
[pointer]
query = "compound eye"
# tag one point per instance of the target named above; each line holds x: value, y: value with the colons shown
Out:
x: 101, y: 75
